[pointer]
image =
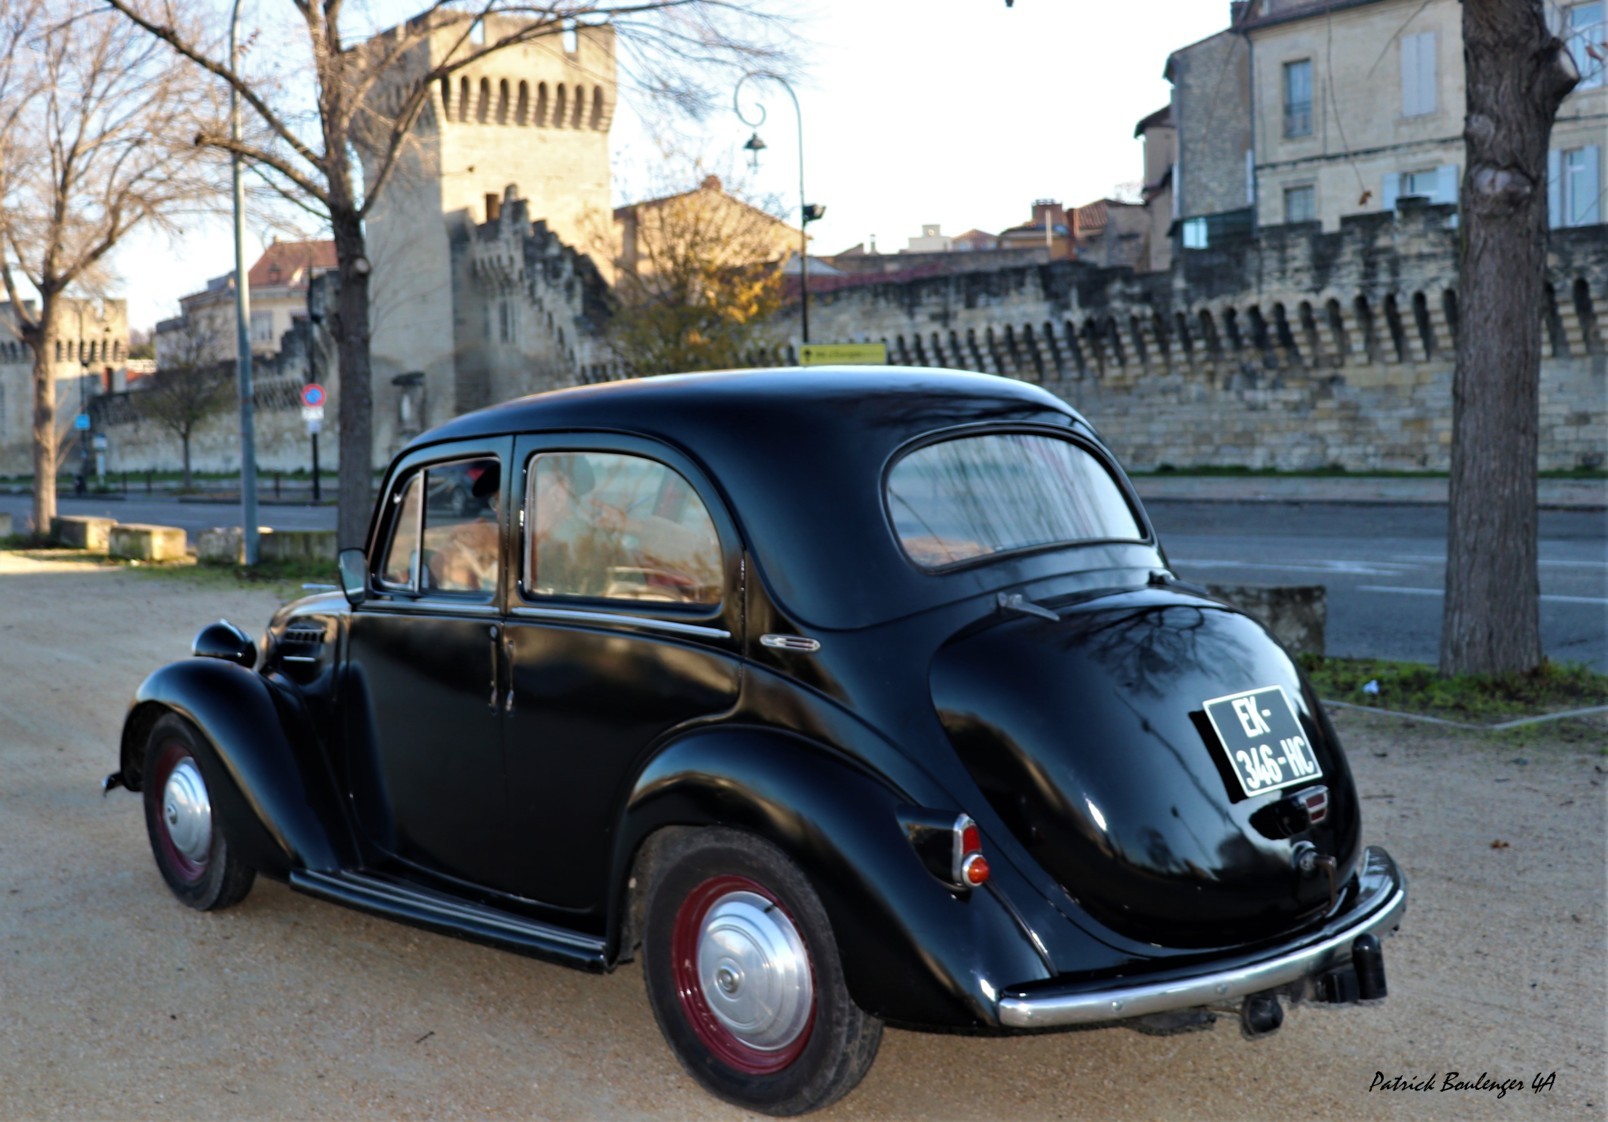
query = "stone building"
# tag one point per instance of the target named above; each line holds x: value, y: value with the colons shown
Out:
x: 89, y: 358
x: 533, y: 120
x: 1311, y: 110
x: 278, y: 284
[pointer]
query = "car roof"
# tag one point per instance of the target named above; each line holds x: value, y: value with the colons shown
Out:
x: 799, y: 454
x: 842, y: 397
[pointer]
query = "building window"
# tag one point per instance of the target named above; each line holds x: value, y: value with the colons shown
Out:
x: 1574, y: 186
x: 1418, y: 74
x: 1422, y: 182
x: 1298, y: 98
x: 262, y: 327
x: 1585, y: 33
x: 1300, y: 204
x: 1194, y: 233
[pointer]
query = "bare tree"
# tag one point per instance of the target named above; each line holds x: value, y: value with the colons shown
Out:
x: 1518, y: 75
x: 370, y: 97
x: 192, y: 384
x: 86, y: 111
x: 700, y: 274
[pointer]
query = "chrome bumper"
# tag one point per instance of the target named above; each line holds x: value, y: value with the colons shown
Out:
x: 1377, y: 910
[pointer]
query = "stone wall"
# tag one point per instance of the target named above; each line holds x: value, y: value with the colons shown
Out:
x: 1295, y: 349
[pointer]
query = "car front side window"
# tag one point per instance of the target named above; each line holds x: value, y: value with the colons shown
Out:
x: 445, y: 537
x: 618, y: 527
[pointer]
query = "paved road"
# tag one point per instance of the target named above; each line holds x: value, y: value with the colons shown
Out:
x: 1383, y: 564
x: 1384, y: 569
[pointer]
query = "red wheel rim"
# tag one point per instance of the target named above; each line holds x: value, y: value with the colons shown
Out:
x: 727, y: 897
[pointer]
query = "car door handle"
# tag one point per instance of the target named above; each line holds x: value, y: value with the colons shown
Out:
x: 495, y: 657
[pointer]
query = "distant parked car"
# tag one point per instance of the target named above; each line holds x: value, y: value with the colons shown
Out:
x: 840, y: 697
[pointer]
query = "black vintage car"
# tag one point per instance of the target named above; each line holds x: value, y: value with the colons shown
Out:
x: 841, y: 697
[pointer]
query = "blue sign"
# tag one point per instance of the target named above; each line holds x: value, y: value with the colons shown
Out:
x: 312, y: 395
x: 81, y: 422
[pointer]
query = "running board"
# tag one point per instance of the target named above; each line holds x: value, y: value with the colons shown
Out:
x: 436, y: 911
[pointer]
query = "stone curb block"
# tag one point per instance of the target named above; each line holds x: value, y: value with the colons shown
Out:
x: 226, y: 545
x: 82, y: 532
x: 137, y: 542
x: 1296, y: 615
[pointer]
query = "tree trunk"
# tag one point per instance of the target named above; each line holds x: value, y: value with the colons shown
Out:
x: 44, y: 422
x: 355, y: 482
x: 1517, y: 76
x: 184, y: 443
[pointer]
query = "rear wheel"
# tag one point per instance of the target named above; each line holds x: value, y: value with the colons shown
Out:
x: 190, y: 850
x: 743, y: 975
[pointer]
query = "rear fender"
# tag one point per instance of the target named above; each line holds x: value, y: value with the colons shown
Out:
x: 914, y: 950
x: 271, y: 793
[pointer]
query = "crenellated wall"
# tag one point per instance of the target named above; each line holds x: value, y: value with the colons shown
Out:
x: 1296, y: 349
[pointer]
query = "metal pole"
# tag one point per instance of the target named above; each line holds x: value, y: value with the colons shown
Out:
x: 316, y: 495
x: 248, y: 439
x: 803, y: 213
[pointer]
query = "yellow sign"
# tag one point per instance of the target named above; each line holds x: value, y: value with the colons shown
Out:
x: 843, y: 354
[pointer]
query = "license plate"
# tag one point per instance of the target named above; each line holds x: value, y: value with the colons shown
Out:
x: 1262, y: 739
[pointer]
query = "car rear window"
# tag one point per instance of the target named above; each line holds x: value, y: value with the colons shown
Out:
x: 966, y: 498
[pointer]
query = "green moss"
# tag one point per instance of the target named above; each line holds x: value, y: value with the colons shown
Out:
x: 1416, y: 687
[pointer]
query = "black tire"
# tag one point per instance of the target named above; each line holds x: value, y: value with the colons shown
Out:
x: 721, y: 902
x: 189, y: 848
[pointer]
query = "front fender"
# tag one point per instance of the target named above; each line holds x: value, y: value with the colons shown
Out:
x: 914, y: 951
x: 271, y: 794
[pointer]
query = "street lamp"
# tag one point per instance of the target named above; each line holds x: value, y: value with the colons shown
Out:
x: 808, y: 212
x: 248, y: 439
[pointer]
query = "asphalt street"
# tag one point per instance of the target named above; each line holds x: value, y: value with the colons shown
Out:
x: 1383, y: 564
x: 1384, y: 569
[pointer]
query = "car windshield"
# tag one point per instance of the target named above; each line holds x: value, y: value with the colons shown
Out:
x: 962, y: 499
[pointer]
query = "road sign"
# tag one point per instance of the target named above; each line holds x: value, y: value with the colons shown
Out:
x: 843, y: 354
x: 98, y: 441
x: 312, y: 414
x: 81, y: 422
x: 312, y: 396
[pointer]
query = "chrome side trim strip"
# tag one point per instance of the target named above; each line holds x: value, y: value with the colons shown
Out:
x: 571, y: 615
x: 1049, y: 1009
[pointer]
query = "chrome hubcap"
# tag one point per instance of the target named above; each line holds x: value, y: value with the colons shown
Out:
x: 754, y: 972
x: 187, y: 812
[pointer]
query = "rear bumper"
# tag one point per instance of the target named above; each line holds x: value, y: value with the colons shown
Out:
x: 1376, y: 909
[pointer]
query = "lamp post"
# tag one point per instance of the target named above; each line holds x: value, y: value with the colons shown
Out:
x: 248, y: 438
x: 808, y: 212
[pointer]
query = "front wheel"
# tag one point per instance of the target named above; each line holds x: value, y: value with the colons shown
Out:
x: 190, y: 850
x: 743, y: 975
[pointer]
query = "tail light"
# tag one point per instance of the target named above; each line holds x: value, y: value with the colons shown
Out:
x: 970, y: 868
x: 950, y: 845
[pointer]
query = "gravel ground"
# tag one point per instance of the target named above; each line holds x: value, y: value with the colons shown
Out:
x: 117, y: 1002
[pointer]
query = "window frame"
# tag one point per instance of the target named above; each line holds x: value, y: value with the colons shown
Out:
x: 1297, y: 126
x: 1593, y: 72
x: 1310, y: 190
x: 1109, y: 465
x: 387, y: 595
x: 722, y: 621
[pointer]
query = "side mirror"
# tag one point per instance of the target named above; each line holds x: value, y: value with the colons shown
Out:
x: 354, y: 575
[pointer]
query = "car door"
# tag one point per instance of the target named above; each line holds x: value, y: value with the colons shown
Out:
x: 623, y: 626
x: 425, y: 725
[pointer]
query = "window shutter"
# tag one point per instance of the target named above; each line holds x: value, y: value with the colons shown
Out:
x: 1392, y: 188
x: 1446, y: 183
x: 1587, y: 203
x: 1426, y: 72
x: 1554, y: 188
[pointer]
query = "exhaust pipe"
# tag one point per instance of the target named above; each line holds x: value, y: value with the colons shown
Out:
x: 1261, y: 1014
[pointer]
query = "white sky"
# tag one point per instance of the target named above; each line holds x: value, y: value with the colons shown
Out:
x: 960, y: 112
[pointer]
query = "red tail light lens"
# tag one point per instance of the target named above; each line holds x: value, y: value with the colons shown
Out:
x: 970, y: 867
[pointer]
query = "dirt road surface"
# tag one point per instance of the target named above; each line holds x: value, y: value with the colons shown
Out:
x: 117, y: 1002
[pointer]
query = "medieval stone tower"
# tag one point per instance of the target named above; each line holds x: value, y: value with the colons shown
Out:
x: 534, y: 117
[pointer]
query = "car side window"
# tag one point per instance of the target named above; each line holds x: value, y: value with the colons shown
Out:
x: 618, y: 527
x: 445, y: 538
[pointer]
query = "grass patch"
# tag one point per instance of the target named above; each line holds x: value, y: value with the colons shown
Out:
x: 283, y: 578
x: 1415, y: 687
